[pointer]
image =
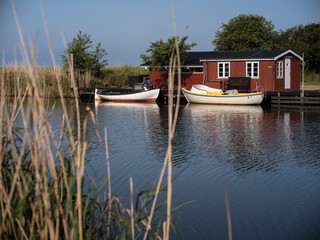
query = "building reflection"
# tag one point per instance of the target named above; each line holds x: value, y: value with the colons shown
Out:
x: 246, y: 137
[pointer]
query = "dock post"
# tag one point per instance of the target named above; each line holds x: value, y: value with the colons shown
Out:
x: 303, y: 63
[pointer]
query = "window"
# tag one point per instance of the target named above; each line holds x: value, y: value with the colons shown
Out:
x: 184, y: 70
x: 280, y: 69
x: 223, y: 69
x: 198, y: 70
x: 253, y: 69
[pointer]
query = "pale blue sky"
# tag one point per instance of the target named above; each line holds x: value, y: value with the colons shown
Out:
x: 125, y: 28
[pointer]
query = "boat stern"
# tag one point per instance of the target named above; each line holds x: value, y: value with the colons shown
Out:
x: 97, y: 98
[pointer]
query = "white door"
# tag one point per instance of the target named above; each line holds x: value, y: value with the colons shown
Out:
x: 287, y: 73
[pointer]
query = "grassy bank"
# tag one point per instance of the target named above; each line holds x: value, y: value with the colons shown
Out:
x: 118, y: 76
x: 312, y: 78
x: 18, y: 78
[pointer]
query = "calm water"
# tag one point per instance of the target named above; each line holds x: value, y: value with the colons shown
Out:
x: 270, y: 161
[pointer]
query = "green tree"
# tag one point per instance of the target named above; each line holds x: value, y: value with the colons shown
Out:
x: 84, y: 58
x: 246, y: 32
x: 303, y: 40
x: 160, y: 52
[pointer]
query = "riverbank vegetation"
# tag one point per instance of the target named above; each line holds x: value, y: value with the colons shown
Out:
x: 18, y: 77
x: 312, y: 78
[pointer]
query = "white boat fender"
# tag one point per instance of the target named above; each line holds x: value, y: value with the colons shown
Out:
x: 232, y: 92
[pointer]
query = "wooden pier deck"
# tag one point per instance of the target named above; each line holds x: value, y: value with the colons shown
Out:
x: 308, y: 100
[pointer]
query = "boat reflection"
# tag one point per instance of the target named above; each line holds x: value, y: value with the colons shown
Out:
x: 199, y: 108
x: 126, y: 105
x: 232, y: 134
x: 130, y: 113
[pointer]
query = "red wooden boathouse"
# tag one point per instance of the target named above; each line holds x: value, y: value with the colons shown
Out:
x: 268, y: 70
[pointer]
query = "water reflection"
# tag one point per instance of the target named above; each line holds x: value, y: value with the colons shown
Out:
x: 129, y: 122
x: 135, y: 138
x: 271, y: 161
x: 128, y: 119
x: 142, y: 111
x: 246, y: 137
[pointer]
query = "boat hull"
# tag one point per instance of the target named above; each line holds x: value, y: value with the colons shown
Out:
x: 144, y: 96
x: 240, y: 99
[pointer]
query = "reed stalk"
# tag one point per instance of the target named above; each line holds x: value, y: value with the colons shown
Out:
x: 172, y: 120
x: 41, y: 177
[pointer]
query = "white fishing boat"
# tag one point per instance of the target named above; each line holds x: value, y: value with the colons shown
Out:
x: 141, y: 92
x: 206, y: 95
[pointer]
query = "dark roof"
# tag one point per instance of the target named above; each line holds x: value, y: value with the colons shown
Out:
x: 195, y: 58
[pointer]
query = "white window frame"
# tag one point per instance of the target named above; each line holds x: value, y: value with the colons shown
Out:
x: 280, y: 69
x: 252, y: 70
x: 223, y: 69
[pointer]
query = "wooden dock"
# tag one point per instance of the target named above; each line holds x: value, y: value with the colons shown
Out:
x: 309, y: 99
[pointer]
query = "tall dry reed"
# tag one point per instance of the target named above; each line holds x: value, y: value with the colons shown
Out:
x: 41, y: 176
x: 172, y: 120
x: 17, y: 77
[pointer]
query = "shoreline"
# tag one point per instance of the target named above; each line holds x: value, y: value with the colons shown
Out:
x: 310, y: 87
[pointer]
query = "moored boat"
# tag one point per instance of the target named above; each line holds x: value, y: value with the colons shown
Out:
x: 203, y: 94
x: 141, y: 92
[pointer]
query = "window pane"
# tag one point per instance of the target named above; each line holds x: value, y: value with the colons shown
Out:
x: 198, y: 70
x: 255, y: 69
x: 248, y: 69
x: 220, y: 70
x: 279, y: 69
x: 184, y: 70
x: 226, y: 70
